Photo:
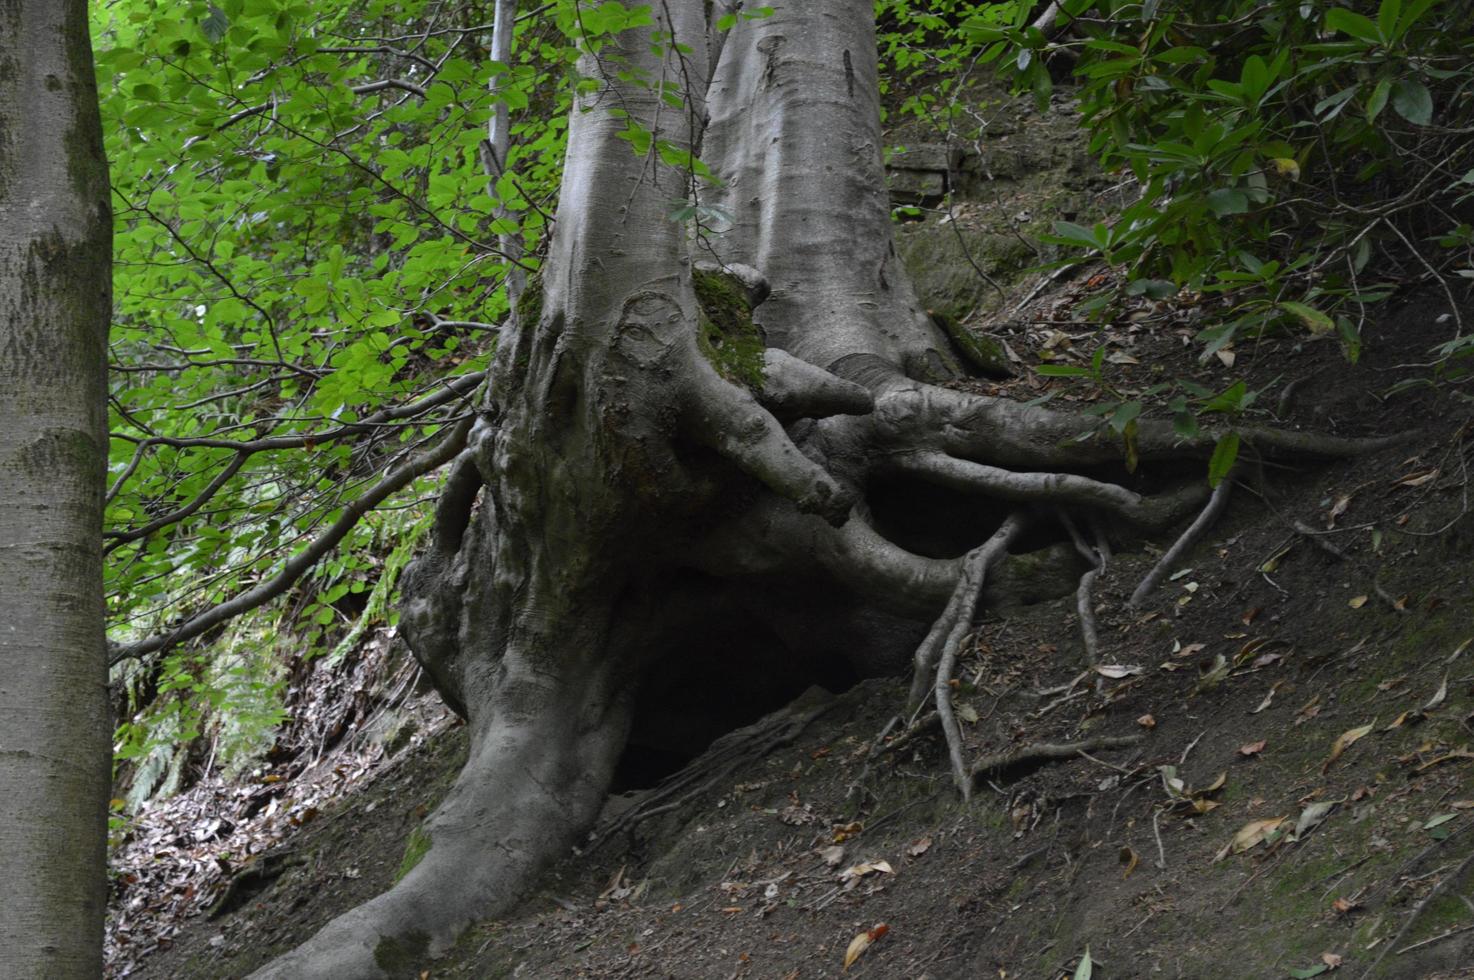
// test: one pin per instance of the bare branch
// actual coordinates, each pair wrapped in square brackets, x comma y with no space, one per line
[296,566]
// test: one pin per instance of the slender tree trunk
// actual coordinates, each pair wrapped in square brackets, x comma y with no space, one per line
[55,305]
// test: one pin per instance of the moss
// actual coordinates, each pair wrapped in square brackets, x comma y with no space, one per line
[398,957]
[414,851]
[530,303]
[983,353]
[726,333]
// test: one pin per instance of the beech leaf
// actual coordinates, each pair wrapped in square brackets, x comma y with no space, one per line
[862,942]
[1345,741]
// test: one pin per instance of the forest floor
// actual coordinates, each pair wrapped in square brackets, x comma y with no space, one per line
[1300,800]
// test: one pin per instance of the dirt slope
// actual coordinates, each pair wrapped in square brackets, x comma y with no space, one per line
[1240,677]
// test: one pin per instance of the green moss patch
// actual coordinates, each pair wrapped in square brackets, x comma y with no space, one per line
[726,333]
[414,851]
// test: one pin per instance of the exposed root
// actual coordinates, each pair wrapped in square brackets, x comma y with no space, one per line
[1042,752]
[1098,556]
[725,755]
[1182,545]
[936,658]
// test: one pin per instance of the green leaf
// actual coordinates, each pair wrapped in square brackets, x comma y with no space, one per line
[1225,454]
[215,24]
[1412,101]
[1063,371]
[1124,415]
[1314,319]
[1309,971]
[1228,200]
[1387,15]
[1076,234]
[1354,24]
[1378,101]
[1086,969]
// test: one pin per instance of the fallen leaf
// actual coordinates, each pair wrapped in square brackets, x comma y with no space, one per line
[832,855]
[1416,479]
[864,868]
[968,714]
[1358,602]
[1117,671]
[920,847]
[1337,510]
[1253,748]
[1439,820]
[1147,721]
[1215,676]
[862,942]
[1130,859]
[1268,697]
[1310,971]
[1343,906]
[1331,960]
[1313,816]
[1250,835]
[1438,697]
[1404,718]
[1086,967]
[1345,741]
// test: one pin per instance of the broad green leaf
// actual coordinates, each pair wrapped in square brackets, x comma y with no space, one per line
[1225,454]
[1378,101]
[1228,201]
[1412,101]
[1314,319]
[1354,24]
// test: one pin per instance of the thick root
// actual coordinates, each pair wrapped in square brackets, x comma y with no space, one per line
[537,776]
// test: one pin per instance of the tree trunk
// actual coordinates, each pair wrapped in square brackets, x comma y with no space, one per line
[55,306]
[682,454]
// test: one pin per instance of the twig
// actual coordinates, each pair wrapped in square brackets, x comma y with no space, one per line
[1042,752]
[1428,899]
[1189,538]
[1436,939]
[1318,539]
[1109,765]
[1190,746]
[1157,832]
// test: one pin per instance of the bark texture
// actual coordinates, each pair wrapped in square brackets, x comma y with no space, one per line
[685,449]
[55,305]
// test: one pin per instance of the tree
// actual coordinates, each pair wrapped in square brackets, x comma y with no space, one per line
[686,424]
[55,304]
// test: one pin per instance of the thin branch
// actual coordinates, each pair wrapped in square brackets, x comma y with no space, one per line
[297,565]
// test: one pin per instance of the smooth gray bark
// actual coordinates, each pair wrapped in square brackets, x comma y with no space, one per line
[55,305]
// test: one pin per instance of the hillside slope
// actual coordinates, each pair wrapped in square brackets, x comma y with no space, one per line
[1297,796]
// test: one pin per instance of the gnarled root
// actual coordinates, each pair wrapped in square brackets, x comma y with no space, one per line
[537,776]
